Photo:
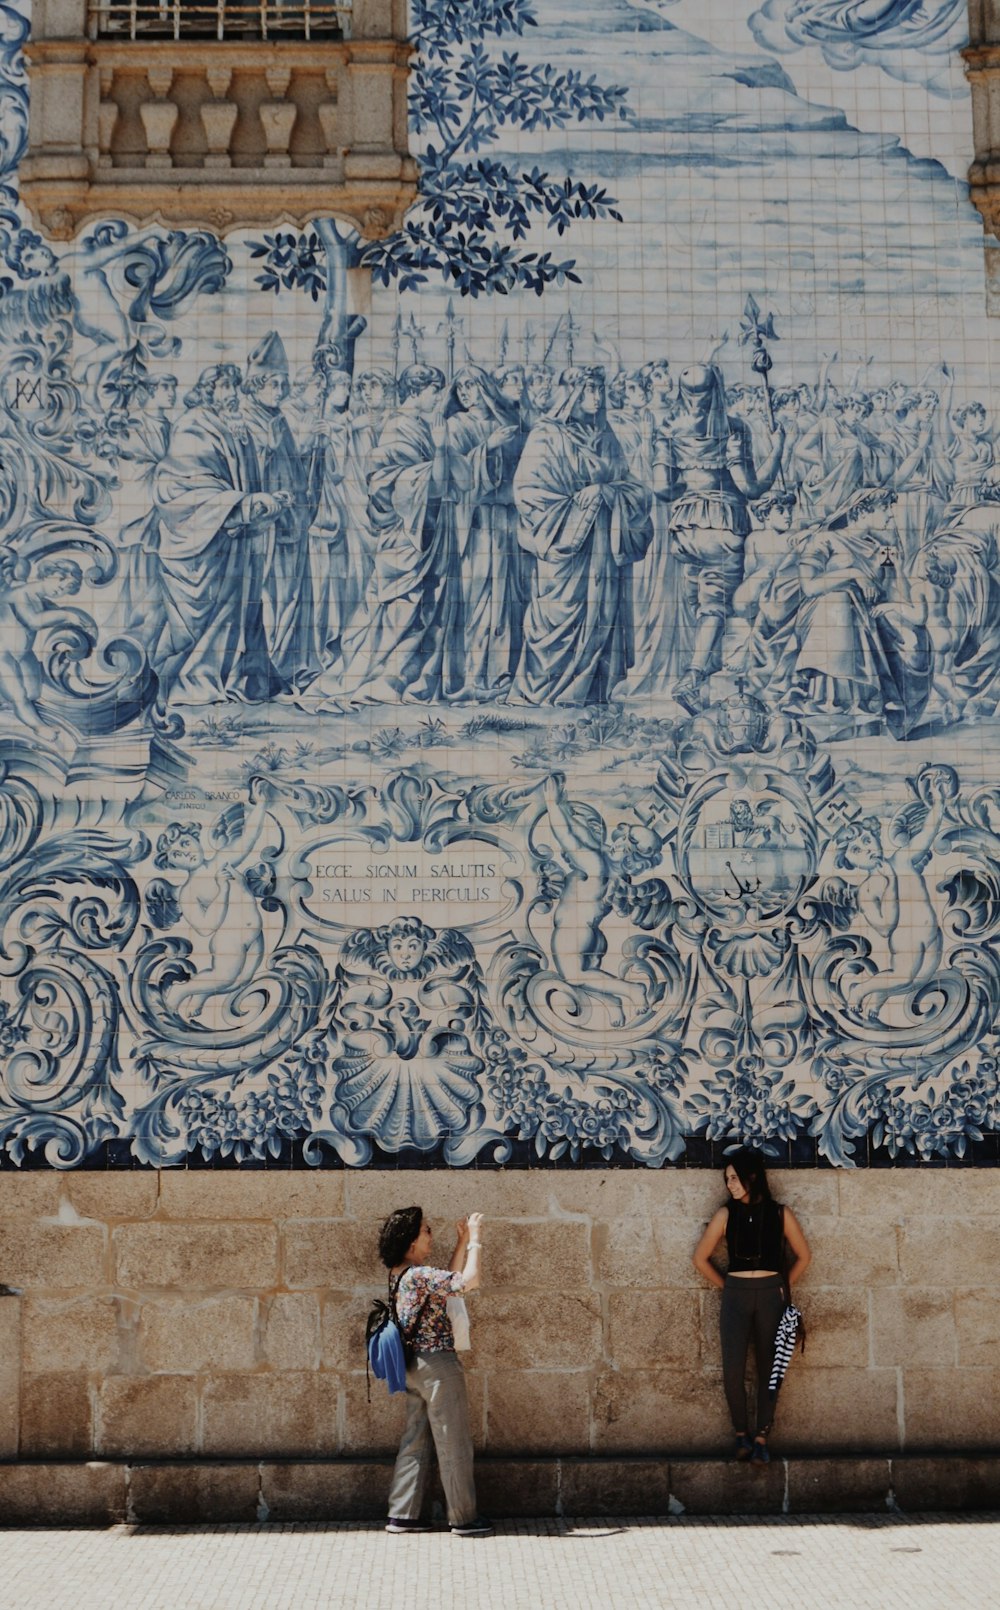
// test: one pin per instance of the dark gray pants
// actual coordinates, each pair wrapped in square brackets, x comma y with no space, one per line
[436,1407]
[751,1309]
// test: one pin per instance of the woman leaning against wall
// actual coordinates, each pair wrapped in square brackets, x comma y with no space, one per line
[759,1234]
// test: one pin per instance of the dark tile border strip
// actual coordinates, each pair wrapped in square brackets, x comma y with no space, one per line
[114,1156]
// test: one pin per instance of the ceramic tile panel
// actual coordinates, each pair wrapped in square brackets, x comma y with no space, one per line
[524,692]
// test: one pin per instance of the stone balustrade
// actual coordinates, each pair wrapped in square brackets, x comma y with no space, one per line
[217,133]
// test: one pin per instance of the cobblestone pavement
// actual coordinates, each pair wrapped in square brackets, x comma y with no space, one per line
[802,1563]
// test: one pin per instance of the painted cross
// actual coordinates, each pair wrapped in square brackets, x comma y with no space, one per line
[837,811]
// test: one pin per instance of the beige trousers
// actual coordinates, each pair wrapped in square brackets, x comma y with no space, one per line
[436,1408]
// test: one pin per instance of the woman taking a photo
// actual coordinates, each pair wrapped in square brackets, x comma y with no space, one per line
[437,1413]
[755,1289]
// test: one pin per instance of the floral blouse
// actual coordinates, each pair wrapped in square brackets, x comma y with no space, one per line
[425,1291]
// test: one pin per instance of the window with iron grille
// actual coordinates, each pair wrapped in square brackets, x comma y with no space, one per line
[219,19]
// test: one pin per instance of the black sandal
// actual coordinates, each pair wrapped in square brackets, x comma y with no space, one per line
[760,1454]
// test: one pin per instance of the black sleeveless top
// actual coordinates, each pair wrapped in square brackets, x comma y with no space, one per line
[755,1236]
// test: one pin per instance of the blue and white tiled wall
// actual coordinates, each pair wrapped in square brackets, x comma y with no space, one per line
[545,711]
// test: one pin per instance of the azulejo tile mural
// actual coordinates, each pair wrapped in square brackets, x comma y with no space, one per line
[525,692]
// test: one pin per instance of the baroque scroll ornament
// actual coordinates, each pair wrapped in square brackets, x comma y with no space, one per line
[725,960]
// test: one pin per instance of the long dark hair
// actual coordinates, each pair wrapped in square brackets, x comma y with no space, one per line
[398,1234]
[752,1174]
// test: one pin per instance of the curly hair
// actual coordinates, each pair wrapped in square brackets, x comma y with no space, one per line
[774,500]
[203,390]
[61,567]
[168,838]
[398,1234]
[961,415]
[18,245]
[418,375]
[846,835]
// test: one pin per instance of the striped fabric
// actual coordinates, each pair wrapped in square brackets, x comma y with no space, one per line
[789,1325]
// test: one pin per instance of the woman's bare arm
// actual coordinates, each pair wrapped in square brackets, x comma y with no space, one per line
[457,1263]
[714,1233]
[471,1269]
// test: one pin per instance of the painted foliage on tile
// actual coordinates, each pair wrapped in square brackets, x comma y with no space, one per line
[530,694]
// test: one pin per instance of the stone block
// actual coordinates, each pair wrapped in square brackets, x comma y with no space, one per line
[688,1197]
[977,1326]
[518,1487]
[961,1248]
[946,1483]
[867,1248]
[555,1257]
[252,1416]
[207,1256]
[614,1487]
[114,1194]
[372,1427]
[838,1486]
[56,1416]
[536,1411]
[722,1487]
[81,1334]
[147,1416]
[913,1325]
[342,1326]
[52,1494]
[559,1331]
[53,1257]
[448,1195]
[950,1408]
[809,1193]
[638,1251]
[272,1196]
[183,1495]
[291,1331]
[833,1409]
[321,1253]
[341,1490]
[836,1327]
[184,1338]
[646,1331]
[659,1412]
[902,1195]
[30,1196]
[10,1376]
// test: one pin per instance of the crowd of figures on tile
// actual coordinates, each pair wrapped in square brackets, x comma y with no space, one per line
[536,535]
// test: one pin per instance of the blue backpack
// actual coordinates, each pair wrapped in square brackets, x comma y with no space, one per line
[387,1345]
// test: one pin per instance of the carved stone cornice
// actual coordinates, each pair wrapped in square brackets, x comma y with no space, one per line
[219,134]
[982,69]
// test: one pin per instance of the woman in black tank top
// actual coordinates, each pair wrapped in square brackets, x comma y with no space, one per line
[754,1290]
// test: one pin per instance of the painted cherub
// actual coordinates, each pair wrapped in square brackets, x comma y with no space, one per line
[30,599]
[204,898]
[589,892]
[915,946]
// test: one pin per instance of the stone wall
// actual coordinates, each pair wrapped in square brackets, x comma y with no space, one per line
[219,1316]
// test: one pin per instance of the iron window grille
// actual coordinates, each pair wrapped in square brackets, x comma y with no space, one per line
[219,19]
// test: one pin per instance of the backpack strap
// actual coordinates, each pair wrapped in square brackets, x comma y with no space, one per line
[405,1334]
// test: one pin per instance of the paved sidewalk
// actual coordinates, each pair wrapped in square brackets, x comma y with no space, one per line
[887,1562]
